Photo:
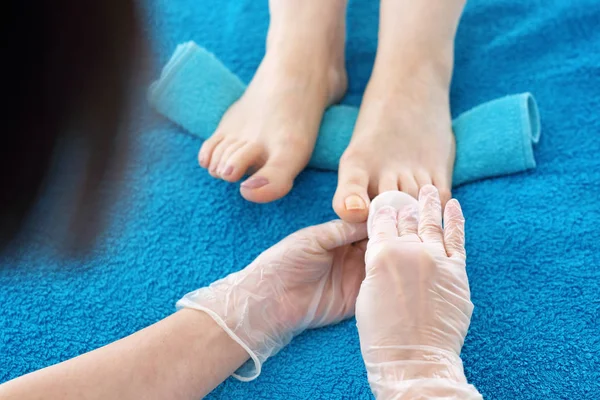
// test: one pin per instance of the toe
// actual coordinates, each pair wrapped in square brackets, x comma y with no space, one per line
[422,178]
[207,149]
[387,183]
[408,184]
[224,170]
[443,184]
[238,162]
[351,200]
[276,178]
[445,195]
[215,159]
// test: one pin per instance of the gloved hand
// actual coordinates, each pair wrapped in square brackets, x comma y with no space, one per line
[309,279]
[414,309]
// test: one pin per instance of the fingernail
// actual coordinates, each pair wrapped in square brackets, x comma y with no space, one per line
[255,182]
[428,189]
[228,170]
[354,202]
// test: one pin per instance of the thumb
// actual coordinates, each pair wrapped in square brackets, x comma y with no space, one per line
[333,234]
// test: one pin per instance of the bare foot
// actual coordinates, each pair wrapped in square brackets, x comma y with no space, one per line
[272,129]
[403,137]
[403,140]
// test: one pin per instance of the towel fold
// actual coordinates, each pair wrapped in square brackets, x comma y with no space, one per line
[493,139]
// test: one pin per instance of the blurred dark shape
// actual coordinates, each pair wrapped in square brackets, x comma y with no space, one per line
[66,66]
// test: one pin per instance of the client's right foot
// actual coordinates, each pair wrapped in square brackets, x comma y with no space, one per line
[273,127]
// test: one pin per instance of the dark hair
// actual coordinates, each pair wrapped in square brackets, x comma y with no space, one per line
[66,67]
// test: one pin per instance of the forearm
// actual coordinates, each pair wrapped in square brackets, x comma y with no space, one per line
[184,356]
[417,34]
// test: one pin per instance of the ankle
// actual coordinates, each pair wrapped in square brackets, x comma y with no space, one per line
[337,82]
[416,65]
[301,59]
[419,83]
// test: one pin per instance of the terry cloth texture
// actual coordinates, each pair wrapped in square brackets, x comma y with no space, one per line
[532,238]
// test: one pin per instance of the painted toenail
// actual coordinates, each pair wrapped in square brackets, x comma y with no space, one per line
[255,182]
[228,170]
[354,202]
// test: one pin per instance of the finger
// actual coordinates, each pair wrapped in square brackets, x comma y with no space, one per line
[395,199]
[408,220]
[384,223]
[454,230]
[333,234]
[362,245]
[430,215]
[346,280]
[356,270]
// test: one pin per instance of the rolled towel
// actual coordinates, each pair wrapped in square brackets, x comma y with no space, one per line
[493,139]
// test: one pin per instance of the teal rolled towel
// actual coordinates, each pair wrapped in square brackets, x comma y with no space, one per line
[493,139]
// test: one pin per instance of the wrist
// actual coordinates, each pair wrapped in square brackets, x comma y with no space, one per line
[254,320]
[406,363]
[206,337]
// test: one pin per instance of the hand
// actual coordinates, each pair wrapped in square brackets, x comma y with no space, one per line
[309,279]
[414,309]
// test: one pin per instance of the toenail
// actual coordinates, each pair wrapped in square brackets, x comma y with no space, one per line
[255,182]
[202,159]
[354,202]
[228,170]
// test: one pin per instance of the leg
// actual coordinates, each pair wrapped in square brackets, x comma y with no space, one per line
[274,126]
[403,136]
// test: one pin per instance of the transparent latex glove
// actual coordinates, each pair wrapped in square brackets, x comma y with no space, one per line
[309,279]
[414,309]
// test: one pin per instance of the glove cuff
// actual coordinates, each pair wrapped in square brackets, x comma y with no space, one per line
[402,367]
[255,327]
[251,368]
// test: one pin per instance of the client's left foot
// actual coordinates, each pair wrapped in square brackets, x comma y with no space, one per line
[403,140]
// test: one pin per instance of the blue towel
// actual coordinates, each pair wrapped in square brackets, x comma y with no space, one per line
[532,238]
[195,89]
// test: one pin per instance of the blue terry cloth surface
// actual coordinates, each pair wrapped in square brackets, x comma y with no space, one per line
[532,238]
[496,138]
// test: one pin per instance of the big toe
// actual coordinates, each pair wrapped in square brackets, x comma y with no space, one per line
[274,180]
[351,199]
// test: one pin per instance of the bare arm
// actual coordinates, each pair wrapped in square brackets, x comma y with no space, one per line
[184,356]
